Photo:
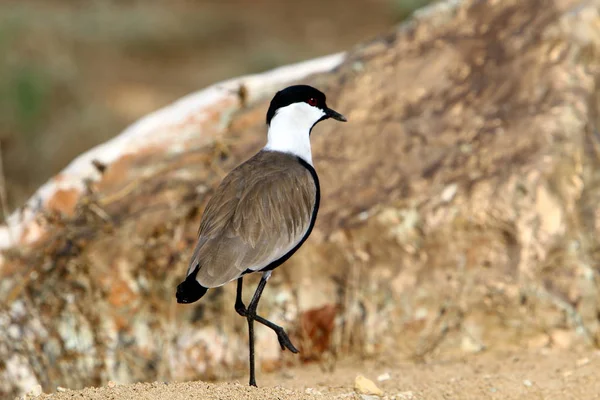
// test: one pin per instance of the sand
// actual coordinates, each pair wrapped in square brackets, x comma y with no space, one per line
[540,374]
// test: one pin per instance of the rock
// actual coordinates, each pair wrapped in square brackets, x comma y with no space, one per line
[408,395]
[111,384]
[449,193]
[561,338]
[441,104]
[351,395]
[527,383]
[366,386]
[313,392]
[539,341]
[582,361]
[470,345]
[369,397]
[36,391]
[384,377]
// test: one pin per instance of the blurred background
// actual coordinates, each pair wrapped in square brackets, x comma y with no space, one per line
[75,73]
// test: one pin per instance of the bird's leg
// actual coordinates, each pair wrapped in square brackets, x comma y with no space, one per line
[240,307]
[250,314]
[252,381]
[282,337]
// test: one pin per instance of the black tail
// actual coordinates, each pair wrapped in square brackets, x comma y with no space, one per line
[190,290]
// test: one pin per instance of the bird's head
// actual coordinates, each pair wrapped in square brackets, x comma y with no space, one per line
[302,105]
[293,112]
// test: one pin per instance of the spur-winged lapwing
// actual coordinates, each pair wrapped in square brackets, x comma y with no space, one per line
[263,210]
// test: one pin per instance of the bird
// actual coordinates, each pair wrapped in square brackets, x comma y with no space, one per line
[262,211]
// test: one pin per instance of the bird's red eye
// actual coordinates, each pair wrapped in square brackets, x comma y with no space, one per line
[312,101]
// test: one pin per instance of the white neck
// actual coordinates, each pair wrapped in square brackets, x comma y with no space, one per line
[289,131]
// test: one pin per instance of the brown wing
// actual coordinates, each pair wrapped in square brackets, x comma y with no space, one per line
[260,212]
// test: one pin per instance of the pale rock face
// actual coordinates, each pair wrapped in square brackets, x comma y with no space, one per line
[461,198]
[17,374]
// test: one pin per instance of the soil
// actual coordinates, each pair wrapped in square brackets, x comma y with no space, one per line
[540,374]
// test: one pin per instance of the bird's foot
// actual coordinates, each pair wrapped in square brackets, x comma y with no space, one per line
[284,341]
[282,337]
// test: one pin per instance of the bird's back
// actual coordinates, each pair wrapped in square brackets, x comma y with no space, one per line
[261,211]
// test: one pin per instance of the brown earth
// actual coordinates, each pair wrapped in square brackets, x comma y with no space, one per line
[537,374]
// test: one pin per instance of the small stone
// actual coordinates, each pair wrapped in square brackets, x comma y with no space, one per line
[369,397]
[14,332]
[561,338]
[527,383]
[111,384]
[357,66]
[582,361]
[538,342]
[408,395]
[287,375]
[363,385]
[345,395]
[36,391]
[470,345]
[449,192]
[60,389]
[312,391]
[384,377]
[566,374]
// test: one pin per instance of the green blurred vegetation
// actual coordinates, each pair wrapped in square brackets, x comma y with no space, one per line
[75,73]
[404,8]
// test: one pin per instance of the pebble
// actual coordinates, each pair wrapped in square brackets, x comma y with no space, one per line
[369,397]
[527,383]
[312,391]
[60,389]
[384,377]
[287,375]
[582,361]
[111,384]
[357,66]
[408,395]
[538,342]
[449,192]
[469,345]
[345,395]
[366,386]
[14,332]
[561,338]
[36,391]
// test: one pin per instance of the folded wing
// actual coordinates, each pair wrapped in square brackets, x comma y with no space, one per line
[259,213]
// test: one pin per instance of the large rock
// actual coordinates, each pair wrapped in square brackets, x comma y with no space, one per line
[459,213]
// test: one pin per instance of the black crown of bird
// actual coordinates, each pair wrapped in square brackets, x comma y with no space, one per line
[263,210]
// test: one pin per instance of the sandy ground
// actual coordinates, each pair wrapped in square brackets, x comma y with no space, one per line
[540,374]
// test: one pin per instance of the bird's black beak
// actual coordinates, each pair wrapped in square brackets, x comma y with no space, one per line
[335,115]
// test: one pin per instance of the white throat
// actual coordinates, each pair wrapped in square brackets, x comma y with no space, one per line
[289,131]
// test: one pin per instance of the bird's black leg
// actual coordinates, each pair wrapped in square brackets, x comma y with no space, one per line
[240,307]
[250,314]
[284,340]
